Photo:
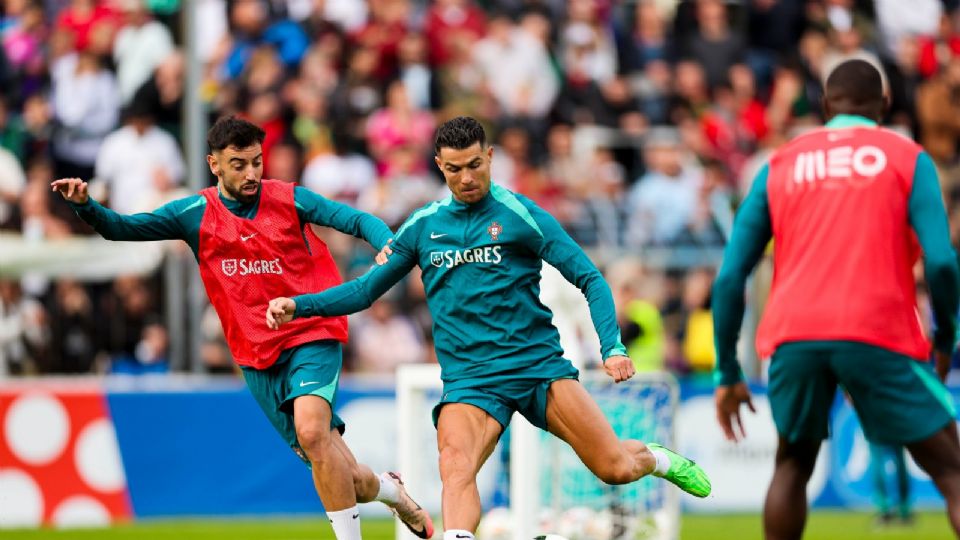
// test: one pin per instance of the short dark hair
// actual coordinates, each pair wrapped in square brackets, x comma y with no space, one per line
[855,87]
[233,131]
[459,133]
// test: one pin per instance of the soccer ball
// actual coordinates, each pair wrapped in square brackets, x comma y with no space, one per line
[496,525]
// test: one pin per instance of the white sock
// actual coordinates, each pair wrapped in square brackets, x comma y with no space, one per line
[457,534]
[389,493]
[346,523]
[663,462]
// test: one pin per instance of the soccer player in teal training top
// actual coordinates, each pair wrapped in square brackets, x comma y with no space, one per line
[253,241]
[481,251]
[849,208]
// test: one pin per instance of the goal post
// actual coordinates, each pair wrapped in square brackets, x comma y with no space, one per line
[550,490]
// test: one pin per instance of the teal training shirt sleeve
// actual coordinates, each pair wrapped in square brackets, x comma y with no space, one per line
[360,293]
[161,224]
[317,209]
[752,231]
[556,248]
[929,220]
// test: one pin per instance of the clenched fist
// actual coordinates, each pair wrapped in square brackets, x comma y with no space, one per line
[280,311]
[620,368]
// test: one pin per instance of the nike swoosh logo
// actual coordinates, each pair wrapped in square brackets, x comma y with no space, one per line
[434,236]
[245,238]
[306,383]
[462,536]
[355,516]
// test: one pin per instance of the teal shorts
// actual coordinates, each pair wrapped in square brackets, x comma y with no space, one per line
[898,399]
[503,394]
[309,369]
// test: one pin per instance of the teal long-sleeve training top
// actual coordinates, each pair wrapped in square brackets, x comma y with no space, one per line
[481,267]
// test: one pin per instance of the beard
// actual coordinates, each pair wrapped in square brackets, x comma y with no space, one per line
[238,195]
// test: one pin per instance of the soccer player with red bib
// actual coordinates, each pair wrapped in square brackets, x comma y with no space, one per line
[850,208]
[253,241]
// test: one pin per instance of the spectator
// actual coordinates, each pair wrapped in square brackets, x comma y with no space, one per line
[714,45]
[938,109]
[254,28]
[38,222]
[936,50]
[382,35]
[162,94]
[90,23]
[12,184]
[450,25]
[898,19]
[357,95]
[649,39]
[698,331]
[141,45]
[774,28]
[85,107]
[662,203]
[419,80]
[399,125]
[338,174]
[23,42]
[516,70]
[286,161]
[13,134]
[139,163]
[384,339]
[73,328]
[737,122]
[23,331]
[131,334]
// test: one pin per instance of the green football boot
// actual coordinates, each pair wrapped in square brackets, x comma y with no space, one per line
[684,473]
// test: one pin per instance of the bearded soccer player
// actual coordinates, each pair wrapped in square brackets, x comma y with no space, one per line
[850,207]
[253,241]
[481,251]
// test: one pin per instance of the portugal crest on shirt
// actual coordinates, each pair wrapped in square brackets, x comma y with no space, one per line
[495,229]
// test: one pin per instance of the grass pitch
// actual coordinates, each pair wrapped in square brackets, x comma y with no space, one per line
[822,526]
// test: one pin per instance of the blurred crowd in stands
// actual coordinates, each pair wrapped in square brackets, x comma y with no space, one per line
[638,124]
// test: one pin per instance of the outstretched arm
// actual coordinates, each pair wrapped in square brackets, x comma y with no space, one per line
[344,299]
[556,247]
[161,224]
[929,220]
[316,209]
[752,230]
[751,233]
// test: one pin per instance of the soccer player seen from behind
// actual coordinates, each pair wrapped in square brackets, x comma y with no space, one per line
[253,240]
[481,251]
[850,208]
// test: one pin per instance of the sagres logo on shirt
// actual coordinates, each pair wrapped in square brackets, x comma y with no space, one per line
[456,257]
[251,266]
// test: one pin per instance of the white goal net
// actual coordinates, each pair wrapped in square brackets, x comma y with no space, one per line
[546,487]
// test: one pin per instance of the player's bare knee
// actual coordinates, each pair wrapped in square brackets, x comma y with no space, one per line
[455,467]
[314,440]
